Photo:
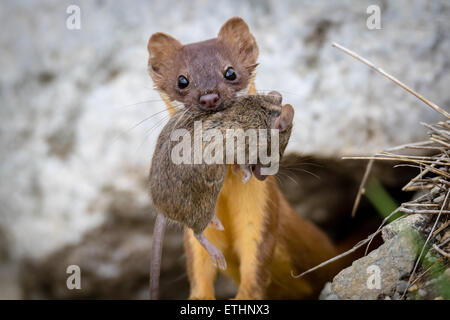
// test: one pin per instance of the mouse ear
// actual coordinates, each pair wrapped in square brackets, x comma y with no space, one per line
[283,122]
[161,48]
[236,34]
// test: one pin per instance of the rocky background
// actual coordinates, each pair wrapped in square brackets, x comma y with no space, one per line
[80,118]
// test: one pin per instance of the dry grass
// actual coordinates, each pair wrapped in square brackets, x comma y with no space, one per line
[433,180]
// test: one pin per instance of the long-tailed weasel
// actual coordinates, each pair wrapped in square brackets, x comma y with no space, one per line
[263,240]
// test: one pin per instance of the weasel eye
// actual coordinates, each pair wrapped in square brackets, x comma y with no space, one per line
[182,82]
[230,74]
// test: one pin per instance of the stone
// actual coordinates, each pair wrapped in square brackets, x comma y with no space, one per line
[391,261]
[402,286]
[415,221]
[327,294]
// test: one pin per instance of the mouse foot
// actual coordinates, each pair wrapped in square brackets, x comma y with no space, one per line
[216,255]
[276,96]
[216,223]
[247,174]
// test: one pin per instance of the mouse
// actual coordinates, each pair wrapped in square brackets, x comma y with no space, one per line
[187,193]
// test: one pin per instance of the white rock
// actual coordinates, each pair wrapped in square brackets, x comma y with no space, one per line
[70,99]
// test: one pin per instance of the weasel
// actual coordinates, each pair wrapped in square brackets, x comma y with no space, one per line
[263,240]
[187,193]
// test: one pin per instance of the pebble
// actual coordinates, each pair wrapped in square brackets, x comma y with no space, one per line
[402,286]
[413,288]
[422,292]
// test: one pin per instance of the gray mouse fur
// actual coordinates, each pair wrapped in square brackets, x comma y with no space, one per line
[187,193]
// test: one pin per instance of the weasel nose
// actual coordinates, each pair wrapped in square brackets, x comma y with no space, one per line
[208,101]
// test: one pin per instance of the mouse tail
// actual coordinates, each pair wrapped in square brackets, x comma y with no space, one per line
[155,264]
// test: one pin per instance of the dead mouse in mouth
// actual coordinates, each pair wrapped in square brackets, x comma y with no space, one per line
[187,193]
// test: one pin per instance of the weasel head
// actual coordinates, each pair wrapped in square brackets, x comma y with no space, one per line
[203,75]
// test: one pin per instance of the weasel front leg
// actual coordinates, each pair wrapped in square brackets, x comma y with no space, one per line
[253,274]
[255,246]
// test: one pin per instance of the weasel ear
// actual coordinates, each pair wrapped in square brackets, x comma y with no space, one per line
[161,48]
[236,34]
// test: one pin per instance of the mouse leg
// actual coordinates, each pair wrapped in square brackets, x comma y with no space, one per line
[246,172]
[216,255]
[235,169]
[200,270]
[216,223]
